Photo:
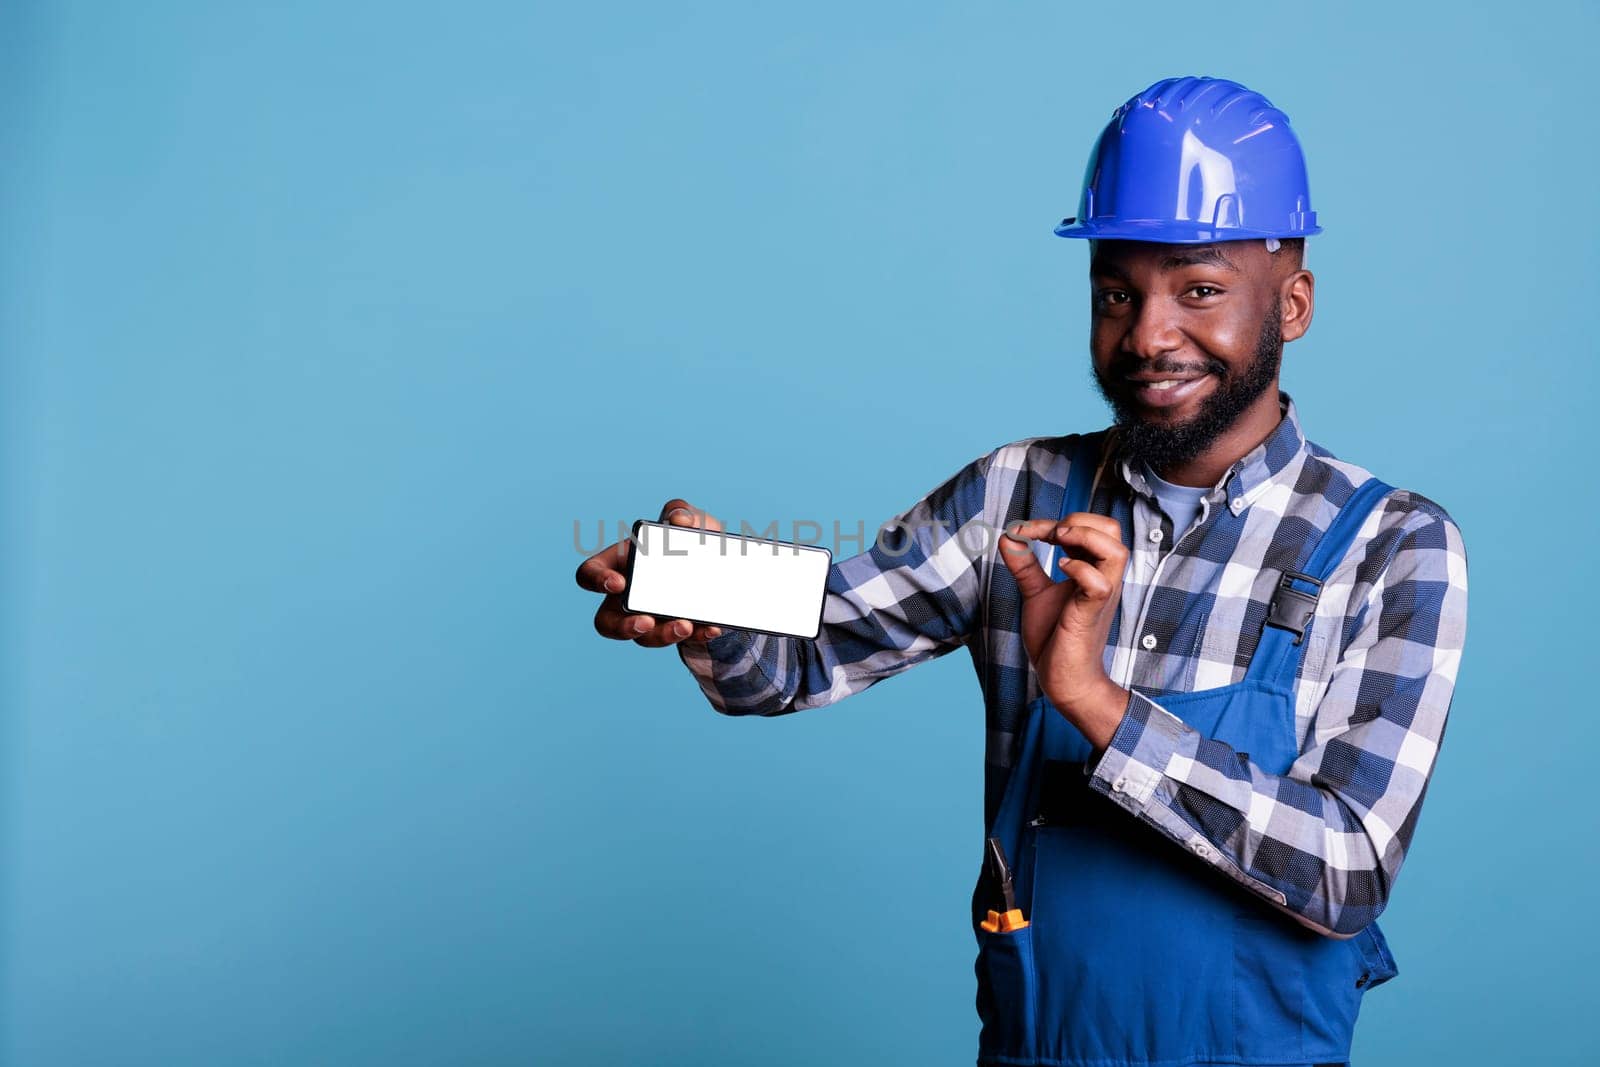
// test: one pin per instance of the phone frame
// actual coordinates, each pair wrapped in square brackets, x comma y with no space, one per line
[727,626]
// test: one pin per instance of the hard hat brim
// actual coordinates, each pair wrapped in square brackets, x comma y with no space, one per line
[1167,231]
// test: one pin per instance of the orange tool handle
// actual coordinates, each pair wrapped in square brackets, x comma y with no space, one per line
[1004,922]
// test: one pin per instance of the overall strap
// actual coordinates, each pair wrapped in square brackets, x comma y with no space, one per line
[1080,478]
[1085,460]
[1078,493]
[1294,603]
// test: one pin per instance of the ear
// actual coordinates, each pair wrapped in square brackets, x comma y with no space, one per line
[1297,297]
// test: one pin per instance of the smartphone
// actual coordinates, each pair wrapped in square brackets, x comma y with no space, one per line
[727,580]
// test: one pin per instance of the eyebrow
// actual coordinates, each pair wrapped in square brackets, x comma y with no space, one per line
[1208,255]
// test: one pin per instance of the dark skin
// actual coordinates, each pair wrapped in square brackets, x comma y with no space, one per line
[1179,310]
[604,573]
[1158,309]
[1184,309]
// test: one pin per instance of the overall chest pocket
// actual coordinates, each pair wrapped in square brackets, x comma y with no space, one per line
[1255,719]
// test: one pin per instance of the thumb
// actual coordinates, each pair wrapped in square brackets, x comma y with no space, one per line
[679,512]
[1017,553]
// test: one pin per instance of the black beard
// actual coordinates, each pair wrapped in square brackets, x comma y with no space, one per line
[1166,447]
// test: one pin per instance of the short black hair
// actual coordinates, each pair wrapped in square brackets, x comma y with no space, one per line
[1296,245]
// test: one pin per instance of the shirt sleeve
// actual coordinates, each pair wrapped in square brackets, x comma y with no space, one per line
[1326,840]
[912,595]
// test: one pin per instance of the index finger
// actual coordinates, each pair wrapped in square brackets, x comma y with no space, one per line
[1016,534]
[1104,523]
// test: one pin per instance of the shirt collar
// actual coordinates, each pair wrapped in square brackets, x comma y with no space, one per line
[1251,472]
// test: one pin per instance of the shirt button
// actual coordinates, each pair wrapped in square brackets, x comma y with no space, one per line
[1119,785]
[1236,503]
[1201,849]
[1155,535]
[1148,641]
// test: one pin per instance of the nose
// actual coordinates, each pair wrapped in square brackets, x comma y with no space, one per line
[1154,331]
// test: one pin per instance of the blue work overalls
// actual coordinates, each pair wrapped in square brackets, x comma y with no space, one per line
[1135,952]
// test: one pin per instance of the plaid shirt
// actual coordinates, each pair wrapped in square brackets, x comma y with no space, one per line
[1324,841]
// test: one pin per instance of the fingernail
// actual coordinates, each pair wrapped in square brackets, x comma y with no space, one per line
[682,627]
[713,631]
[614,584]
[640,626]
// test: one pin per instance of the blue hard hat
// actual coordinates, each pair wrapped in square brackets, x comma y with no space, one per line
[1191,161]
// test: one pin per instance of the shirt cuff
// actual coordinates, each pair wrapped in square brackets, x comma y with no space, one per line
[729,646]
[1135,762]
[705,658]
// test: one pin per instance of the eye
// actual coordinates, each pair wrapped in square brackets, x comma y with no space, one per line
[1110,298]
[1205,291]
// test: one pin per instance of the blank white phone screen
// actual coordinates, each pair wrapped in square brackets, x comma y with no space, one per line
[731,581]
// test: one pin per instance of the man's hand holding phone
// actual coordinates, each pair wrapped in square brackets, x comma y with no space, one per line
[606,572]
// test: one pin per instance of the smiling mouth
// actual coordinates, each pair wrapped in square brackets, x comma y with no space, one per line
[1164,392]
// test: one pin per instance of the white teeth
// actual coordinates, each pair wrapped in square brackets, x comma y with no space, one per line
[1167,384]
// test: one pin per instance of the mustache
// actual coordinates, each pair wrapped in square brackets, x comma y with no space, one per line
[1123,368]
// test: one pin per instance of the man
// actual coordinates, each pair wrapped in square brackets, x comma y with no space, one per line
[1215,685]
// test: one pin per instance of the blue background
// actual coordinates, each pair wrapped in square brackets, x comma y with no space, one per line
[323,323]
